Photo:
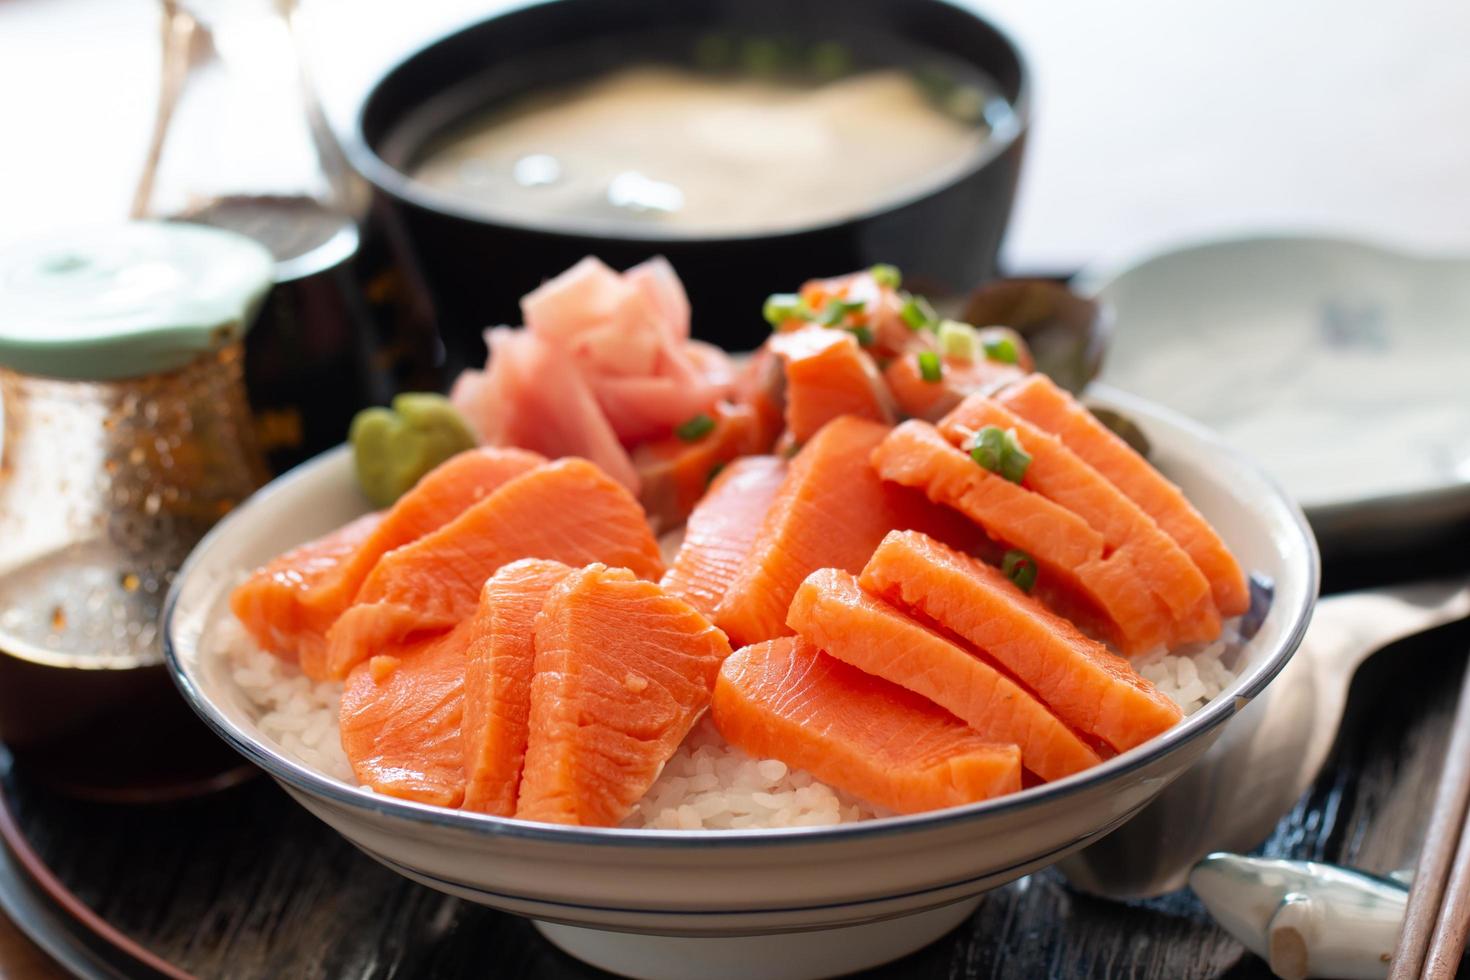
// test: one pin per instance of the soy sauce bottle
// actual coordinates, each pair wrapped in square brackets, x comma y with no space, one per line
[240,143]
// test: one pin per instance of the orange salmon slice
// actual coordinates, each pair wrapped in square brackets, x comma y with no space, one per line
[567,511]
[1074,572]
[785,699]
[930,400]
[623,670]
[828,375]
[439,497]
[830,512]
[499,663]
[834,614]
[270,603]
[400,720]
[1130,536]
[675,473]
[1090,688]
[1046,406]
[722,530]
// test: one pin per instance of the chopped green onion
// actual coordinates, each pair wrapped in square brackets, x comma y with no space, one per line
[886,275]
[958,341]
[837,310]
[918,314]
[1000,452]
[1002,349]
[1020,568]
[930,368]
[696,428]
[791,449]
[863,334]
[781,307]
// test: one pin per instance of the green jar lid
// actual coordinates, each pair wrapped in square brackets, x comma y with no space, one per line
[127,300]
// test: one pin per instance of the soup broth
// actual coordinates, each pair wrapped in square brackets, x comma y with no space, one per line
[676,151]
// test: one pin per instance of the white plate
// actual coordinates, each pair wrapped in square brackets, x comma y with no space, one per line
[1343,368]
[918,874]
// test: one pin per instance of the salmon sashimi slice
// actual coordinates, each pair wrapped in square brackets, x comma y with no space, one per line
[623,671]
[568,511]
[834,614]
[1087,686]
[401,716]
[1046,406]
[439,497]
[931,400]
[1073,572]
[722,530]
[1129,535]
[827,375]
[785,699]
[674,473]
[830,512]
[271,604]
[499,662]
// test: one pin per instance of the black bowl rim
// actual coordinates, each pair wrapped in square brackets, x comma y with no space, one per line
[402,187]
[1217,712]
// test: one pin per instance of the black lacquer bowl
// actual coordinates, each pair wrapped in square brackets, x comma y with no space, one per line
[476,267]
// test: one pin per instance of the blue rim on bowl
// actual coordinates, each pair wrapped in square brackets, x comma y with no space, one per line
[1203,721]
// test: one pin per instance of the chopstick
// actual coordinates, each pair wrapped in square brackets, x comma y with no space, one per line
[1447,946]
[1446,845]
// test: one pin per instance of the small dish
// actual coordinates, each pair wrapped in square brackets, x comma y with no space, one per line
[1339,365]
[803,902]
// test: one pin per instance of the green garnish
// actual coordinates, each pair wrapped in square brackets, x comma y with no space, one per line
[1020,568]
[714,471]
[1000,452]
[762,55]
[930,368]
[696,428]
[781,307]
[837,310]
[830,59]
[1002,349]
[958,341]
[393,447]
[863,334]
[886,275]
[918,314]
[792,449]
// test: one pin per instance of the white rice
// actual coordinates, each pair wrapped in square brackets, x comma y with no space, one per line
[707,784]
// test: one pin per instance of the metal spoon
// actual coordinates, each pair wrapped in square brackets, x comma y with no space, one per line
[1269,754]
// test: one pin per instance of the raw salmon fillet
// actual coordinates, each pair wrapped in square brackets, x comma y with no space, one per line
[623,671]
[830,512]
[1046,406]
[439,497]
[499,661]
[722,530]
[832,613]
[401,716]
[785,699]
[1074,572]
[930,400]
[568,510]
[1088,687]
[827,375]
[270,603]
[1129,535]
[674,474]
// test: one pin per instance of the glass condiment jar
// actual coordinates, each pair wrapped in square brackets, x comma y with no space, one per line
[125,434]
[240,143]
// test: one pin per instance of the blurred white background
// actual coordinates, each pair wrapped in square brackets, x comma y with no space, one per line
[1154,120]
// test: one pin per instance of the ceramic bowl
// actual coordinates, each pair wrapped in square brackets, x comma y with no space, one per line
[944,235]
[820,901]
[1339,364]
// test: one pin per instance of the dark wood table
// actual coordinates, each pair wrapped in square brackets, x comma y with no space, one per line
[247,884]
